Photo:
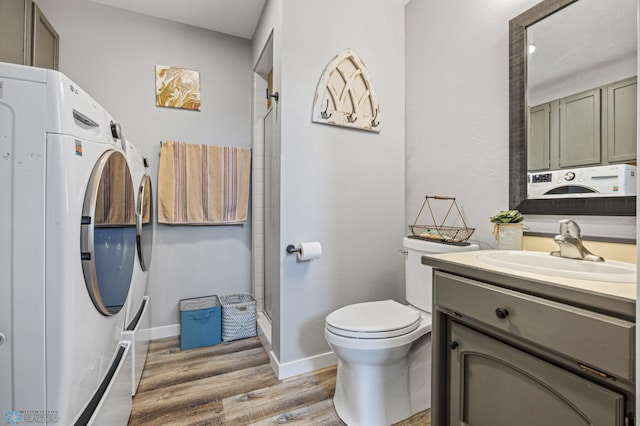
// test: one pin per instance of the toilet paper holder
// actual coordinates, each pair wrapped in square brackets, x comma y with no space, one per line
[306,251]
[293,249]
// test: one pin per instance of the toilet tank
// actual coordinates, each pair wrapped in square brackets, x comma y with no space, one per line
[418,279]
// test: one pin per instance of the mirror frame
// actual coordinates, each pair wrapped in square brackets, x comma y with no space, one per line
[596,206]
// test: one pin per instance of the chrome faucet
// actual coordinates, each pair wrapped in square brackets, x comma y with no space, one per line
[570,242]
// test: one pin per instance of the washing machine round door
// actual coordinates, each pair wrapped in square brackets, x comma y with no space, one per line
[144,223]
[108,233]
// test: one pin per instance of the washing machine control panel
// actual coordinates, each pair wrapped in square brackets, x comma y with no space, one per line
[116,130]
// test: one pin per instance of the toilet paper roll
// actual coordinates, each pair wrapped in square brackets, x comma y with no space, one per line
[310,251]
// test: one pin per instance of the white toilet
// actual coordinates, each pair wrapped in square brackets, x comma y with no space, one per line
[384,348]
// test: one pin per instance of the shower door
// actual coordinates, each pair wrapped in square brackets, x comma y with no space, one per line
[270,251]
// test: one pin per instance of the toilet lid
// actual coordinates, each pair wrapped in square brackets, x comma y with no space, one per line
[373,320]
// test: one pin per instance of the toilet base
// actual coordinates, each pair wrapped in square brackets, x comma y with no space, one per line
[385,388]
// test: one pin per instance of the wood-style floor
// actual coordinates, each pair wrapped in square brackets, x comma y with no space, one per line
[232,384]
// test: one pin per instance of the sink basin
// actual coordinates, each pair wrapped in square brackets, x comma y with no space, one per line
[545,264]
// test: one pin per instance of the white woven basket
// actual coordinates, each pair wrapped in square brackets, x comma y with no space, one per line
[238,316]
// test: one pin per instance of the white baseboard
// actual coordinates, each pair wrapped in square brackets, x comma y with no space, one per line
[301,366]
[293,368]
[162,332]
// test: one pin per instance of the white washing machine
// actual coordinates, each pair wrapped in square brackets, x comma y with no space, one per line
[66,254]
[137,319]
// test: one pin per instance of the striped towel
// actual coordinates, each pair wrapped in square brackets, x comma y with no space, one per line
[203,184]
[115,202]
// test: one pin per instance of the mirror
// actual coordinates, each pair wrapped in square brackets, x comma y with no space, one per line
[534,80]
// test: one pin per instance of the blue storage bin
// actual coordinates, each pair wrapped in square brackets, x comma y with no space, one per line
[200,322]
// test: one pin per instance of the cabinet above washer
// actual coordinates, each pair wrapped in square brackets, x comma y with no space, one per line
[593,127]
[26,36]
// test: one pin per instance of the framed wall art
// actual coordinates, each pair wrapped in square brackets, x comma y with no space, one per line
[177,88]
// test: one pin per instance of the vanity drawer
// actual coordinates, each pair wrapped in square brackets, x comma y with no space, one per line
[598,341]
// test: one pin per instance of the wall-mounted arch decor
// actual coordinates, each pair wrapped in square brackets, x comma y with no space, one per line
[345,95]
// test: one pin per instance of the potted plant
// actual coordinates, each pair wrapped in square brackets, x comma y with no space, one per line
[507,229]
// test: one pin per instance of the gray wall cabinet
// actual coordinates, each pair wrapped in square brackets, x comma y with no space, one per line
[538,143]
[45,41]
[26,36]
[621,120]
[590,128]
[15,31]
[580,129]
[502,356]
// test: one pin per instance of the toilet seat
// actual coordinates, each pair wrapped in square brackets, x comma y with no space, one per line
[373,320]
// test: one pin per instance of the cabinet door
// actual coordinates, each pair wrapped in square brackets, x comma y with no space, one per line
[44,53]
[495,384]
[580,142]
[538,141]
[621,120]
[15,31]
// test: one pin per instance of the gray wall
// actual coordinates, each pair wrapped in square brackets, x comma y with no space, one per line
[112,55]
[342,187]
[457,122]
[457,125]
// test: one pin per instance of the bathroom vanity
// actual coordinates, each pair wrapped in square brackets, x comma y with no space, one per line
[517,347]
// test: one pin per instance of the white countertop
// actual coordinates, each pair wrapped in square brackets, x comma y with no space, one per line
[624,291]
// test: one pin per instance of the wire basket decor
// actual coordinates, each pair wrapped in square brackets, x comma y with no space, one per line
[439,231]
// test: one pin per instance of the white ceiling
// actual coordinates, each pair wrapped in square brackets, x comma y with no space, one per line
[587,35]
[555,37]
[235,17]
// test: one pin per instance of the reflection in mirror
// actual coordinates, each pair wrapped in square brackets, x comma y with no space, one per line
[573,91]
[564,57]
[581,96]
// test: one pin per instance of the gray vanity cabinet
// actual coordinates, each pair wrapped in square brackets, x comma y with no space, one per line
[495,384]
[504,356]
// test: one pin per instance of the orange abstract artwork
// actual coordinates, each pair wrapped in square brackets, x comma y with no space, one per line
[177,88]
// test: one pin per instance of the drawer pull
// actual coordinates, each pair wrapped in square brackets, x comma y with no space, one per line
[502,313]
[596,372]
[450,312]
[453,345]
